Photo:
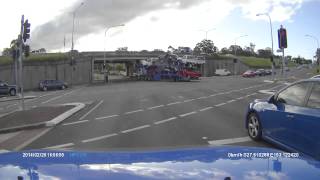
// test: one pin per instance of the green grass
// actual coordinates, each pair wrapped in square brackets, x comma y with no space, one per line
[314,71]
[37,57]
[255,62]
[5,60]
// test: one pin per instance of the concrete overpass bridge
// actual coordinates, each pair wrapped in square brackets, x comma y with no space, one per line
[128,58]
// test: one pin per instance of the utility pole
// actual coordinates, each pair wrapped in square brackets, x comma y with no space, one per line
[20,40]
[72,42]
[271,32]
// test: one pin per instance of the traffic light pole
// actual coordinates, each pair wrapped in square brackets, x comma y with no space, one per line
[283,64]
[20,64]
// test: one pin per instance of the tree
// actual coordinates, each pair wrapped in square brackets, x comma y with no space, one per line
[232,49]
[205,46]
[252,47]
[6,52]
[9,51]
[264,53]
[225,51]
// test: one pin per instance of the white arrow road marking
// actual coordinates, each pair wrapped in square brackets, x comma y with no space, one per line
[95,107]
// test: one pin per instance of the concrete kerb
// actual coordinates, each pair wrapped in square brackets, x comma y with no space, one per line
[16,98]
[53,122]
[65,115]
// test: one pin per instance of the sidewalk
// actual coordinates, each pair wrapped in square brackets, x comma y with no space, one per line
[37,117]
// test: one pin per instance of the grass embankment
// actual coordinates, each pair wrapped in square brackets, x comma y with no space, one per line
[37,57]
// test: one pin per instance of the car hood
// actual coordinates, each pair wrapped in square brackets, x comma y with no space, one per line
[200,163]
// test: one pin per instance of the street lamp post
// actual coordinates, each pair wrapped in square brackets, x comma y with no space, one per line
[317,55]
[207,31]
[235,52]
[72,42]
[270,21]
[235,44]
[104,54]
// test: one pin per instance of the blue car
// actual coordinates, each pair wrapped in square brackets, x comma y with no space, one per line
[289,119]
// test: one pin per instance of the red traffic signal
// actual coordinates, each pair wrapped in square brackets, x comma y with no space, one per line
[282,38]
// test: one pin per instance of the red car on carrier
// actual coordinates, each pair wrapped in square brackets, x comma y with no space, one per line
[249,73]
[188,75]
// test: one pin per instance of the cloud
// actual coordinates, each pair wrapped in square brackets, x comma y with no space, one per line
[279,10]
[96,15]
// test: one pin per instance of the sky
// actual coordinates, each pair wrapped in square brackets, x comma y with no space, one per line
[154,24]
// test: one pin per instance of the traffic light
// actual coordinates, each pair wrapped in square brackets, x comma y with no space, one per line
[26,30]
[27,51]
[282,38]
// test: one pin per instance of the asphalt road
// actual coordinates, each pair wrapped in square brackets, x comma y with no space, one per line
[143,115]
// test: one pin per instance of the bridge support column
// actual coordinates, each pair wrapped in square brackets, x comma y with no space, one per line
[129,68]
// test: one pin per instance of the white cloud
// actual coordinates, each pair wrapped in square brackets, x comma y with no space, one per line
[279,10]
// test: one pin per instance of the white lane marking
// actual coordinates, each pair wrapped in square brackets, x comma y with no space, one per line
[178,102]
[270,92]
[203,97]
[187,114]
[221,104]
[251,94]
[239,98]
[231,101]
[57,97]
[204,138]
[205,109]
[135,129]
[106,117]
[76,122]
[268,81]
[229,141]
[95,107]
[166,120]
[60,146]
[188,100]
[99,138]
[131,112]
[214,95]
[155,107]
